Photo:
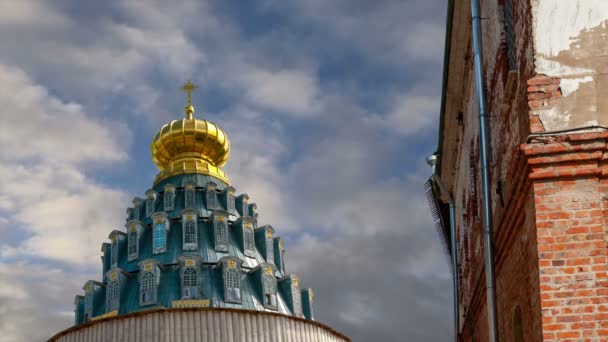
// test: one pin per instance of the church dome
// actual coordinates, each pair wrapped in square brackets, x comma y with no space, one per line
[192,246]
[190,146]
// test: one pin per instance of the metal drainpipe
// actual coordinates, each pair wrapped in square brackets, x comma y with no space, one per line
[432,160]
[485,174]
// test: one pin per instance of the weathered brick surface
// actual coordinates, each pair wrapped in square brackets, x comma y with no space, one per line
[570,186]
[513,206]
[549,196]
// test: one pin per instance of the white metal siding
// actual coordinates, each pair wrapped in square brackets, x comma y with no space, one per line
[202,325]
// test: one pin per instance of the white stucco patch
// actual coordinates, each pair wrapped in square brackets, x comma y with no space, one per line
[554,119]
[556,69]
[570,85]
[556,23]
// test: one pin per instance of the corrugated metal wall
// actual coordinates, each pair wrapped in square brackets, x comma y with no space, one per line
[201,325]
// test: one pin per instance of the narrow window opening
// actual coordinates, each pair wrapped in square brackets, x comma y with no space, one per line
[270,291]
[160,237]
[150,205]
[190,199]
[249,239]
[190,289]
[169,200]
[113,296]
[190,238]
[221,236]
[233,285]
[133,244]
[148,288]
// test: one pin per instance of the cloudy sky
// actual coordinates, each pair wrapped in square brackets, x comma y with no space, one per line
[331,107]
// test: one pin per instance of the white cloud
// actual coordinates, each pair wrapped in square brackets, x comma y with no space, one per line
[45,194]
[23,12]
[34,301]
[409,114]
[292,92]
[257,147]
[36,125]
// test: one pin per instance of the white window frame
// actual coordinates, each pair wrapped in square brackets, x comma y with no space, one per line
[232,284]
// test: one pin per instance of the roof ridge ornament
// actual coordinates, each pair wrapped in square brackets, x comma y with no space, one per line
[189,87]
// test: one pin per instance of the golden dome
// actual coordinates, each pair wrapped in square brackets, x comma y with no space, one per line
[190,145]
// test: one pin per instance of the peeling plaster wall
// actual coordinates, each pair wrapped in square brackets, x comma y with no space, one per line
[571,43]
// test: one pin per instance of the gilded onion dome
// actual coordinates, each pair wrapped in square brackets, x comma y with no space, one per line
[190,145]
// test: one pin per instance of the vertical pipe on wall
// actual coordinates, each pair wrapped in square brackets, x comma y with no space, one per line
[485,173]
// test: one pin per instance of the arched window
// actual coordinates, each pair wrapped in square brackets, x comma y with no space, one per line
[113,296]
[211,199]
[232,283]
[190,283]
[133,244]
[148,289]
[269,284]
[150,202]
[221,234]
[169,199]
[248,239]
[190,236]
[160,237]
[518,325]
[190,198]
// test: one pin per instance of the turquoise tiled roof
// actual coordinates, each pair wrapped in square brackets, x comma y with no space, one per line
[211,278]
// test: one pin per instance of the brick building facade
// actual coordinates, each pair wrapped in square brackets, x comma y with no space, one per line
[547,97]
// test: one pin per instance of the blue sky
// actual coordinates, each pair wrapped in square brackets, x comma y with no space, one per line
[331,107]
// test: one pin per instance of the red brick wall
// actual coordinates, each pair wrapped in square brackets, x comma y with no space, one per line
[516,266]
[550,233]
[570,190]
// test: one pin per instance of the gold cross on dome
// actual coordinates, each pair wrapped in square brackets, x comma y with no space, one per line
[188,87]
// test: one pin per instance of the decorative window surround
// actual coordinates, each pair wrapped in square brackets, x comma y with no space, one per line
[232,275]
[189,196]
[264,242]
[243,228]
[211,196]
[290,289]
[117,238]
[264,276]
[269,286]
[115,280]
[149,279]
[189,229]
[220,230]
[228,199]
[135,230]
[151,197]
[90,288]
[190,276]
[242,205]
[169,198]
[137,205]
[160,227]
